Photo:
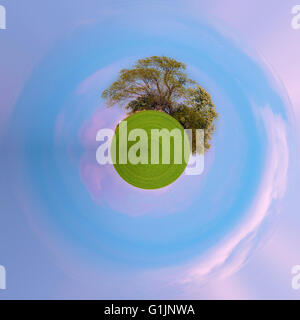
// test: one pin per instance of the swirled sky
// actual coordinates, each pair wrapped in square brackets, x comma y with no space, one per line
[73,229]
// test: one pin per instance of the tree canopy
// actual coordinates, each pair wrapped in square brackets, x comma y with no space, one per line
[161,83]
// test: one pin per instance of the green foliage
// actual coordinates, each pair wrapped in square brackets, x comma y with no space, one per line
[161,83]
[146,102]
[198,112]
[162,78]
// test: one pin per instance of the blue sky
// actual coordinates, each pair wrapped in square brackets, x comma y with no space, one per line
[73,229]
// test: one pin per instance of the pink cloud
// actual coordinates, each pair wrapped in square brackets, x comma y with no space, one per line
[234,250]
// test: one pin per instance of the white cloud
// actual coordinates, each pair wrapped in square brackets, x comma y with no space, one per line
[229,256]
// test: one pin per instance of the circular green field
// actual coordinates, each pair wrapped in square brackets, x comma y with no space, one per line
[144,161]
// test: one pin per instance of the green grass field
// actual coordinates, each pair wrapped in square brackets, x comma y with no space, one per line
[150,176]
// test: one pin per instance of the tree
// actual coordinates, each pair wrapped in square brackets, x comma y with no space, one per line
[161,83]
[198,112]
